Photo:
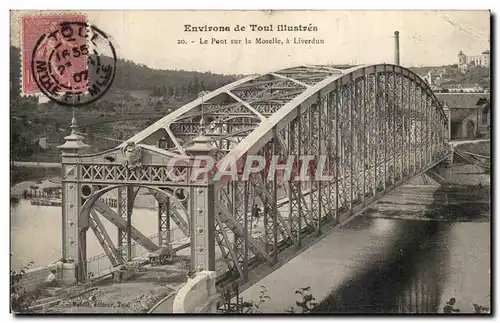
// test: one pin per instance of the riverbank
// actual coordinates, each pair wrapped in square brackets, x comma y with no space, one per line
[18,188]
[143,200]
[19,174]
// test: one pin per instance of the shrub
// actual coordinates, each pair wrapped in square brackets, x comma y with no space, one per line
[308,302]
[20,301]
[242,306]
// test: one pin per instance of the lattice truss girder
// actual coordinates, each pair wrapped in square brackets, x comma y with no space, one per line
[121,174]
[104,239]
[125,199]
[235,110]
[377,127]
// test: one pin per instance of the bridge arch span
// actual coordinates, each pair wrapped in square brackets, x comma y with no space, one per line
[126,197]
[378,126]
[282,117]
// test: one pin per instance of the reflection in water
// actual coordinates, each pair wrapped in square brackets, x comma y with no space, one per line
[409,280]
[381,227]
[412,278]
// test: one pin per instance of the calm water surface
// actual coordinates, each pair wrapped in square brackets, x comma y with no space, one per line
[383,265]
[370,265]
[36,232]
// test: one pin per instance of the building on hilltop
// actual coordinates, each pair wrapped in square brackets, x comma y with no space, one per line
[478,60]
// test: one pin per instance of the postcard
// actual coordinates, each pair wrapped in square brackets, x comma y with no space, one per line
[255,162]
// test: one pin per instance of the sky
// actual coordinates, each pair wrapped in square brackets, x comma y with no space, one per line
[427,38]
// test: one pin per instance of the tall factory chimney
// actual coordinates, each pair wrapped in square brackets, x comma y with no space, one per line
[396,47]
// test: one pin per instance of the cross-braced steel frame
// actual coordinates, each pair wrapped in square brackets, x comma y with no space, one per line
[378,126]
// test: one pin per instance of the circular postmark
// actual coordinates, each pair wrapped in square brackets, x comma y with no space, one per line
[75,64]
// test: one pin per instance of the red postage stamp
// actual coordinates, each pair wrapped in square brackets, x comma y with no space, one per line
[70,61]
[68,56]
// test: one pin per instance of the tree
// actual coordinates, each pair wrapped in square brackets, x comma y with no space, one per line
[306,304]
[190,88]
[132,76]
[170,91]
[15,77]
[20,145]
[178,91]
[20,301]
[156,92]
[478,309]
[482,101]
[242,306]
[197,85]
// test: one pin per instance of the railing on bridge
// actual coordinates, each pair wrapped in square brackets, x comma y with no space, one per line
[100,265]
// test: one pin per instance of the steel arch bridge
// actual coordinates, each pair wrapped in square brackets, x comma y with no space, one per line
[378,125]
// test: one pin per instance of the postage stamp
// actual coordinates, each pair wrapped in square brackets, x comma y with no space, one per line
[33,26]
[71,62]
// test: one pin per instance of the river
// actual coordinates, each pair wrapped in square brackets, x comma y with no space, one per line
[351,267]
[385,265]
[36,232]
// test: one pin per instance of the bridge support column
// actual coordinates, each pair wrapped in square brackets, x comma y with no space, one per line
[74,233]
[126,197]
[81,270]
[164,238]
[450,156]
[450,163]
[201,211]
[74,224]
